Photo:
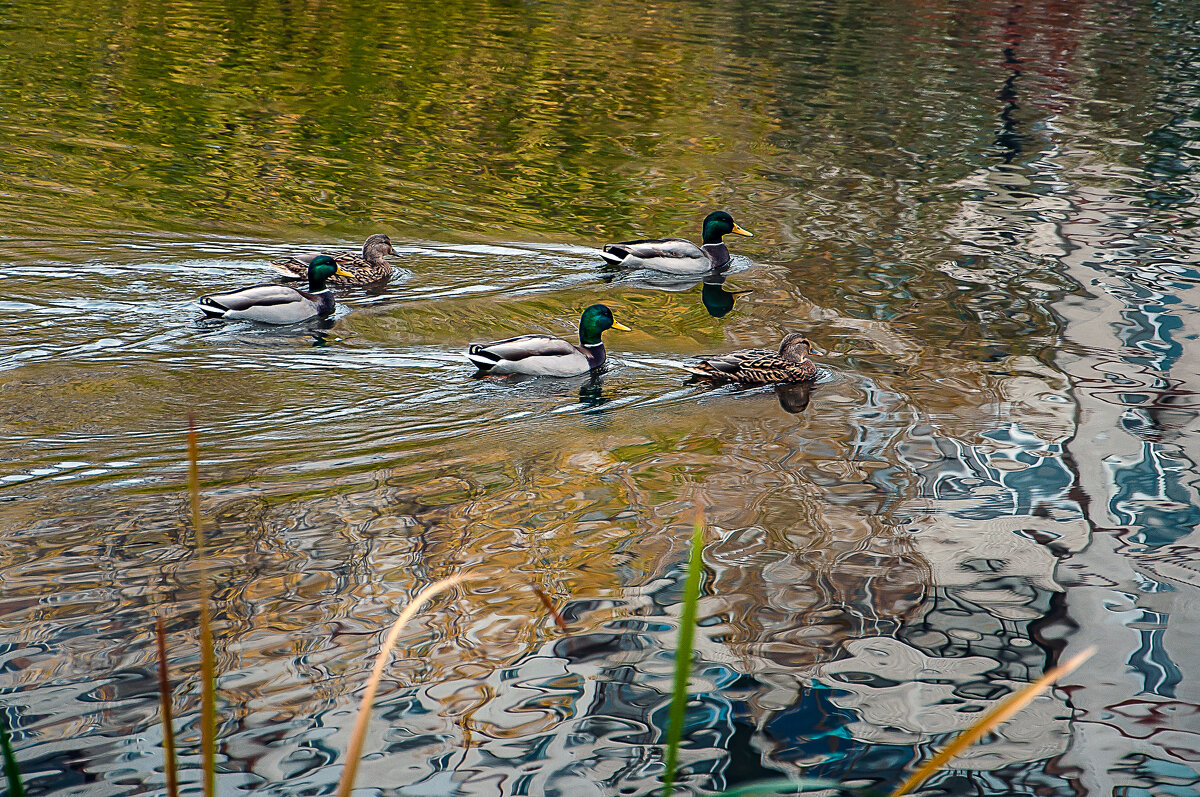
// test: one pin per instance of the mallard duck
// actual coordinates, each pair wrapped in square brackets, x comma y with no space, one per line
[545,355]
[279,304]
[761,366]
[675,255]
[368,268]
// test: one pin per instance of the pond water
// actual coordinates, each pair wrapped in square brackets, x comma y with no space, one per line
[982,212]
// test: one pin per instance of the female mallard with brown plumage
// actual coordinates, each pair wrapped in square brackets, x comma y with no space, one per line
[369,268]
[761,366]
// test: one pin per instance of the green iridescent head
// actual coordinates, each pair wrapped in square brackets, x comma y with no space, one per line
[594,321]
[322,268]
[719,224]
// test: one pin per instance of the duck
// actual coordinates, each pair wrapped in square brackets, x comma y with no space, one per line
[369,268]
[677,255]
[761,366]
[546,355]
[279,304]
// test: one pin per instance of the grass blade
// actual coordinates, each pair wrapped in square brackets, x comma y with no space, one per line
[208,670]
[545,599]
[12,772]
[354,753]
[683,656]
[1002,712]
[164,696]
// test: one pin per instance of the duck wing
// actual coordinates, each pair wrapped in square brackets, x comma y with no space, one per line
[539,355]
[662,254]
[753,366]
[271,304]
[296,266]
[736,361]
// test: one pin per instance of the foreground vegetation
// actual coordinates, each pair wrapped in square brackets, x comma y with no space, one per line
[684,649]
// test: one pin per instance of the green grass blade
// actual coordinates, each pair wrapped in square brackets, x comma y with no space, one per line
[170,766]
[11,771]
[683,656]
[208,669]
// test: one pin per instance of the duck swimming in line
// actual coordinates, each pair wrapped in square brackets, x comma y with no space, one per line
[546,355]
[761,366]
[279,304]
[677,255]
[369,268]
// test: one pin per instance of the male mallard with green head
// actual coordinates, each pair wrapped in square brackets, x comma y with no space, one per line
[676,255]
[369,268]
[279,304]
[761,366]
[545,355]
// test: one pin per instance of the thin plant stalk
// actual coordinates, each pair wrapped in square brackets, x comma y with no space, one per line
[12,772]
[164,695]
[354,752]
[683,656]
[545,599]
[208,670]
[989,721]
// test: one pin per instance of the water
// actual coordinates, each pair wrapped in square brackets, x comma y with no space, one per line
[983,213]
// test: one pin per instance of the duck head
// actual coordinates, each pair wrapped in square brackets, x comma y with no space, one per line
[719,224]
[796,347]
[594,321]
[321,269]
[376,247]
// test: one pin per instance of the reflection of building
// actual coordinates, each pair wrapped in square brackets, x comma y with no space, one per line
[1130,583]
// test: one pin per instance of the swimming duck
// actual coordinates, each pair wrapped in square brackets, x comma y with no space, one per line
[368,268]
[545,355]
[761,366]
[279,304]
[676,255]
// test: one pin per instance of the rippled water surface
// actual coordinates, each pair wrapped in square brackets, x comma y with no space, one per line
[983,213]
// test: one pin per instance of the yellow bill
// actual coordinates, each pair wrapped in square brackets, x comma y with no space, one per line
[620,326]
[742,231]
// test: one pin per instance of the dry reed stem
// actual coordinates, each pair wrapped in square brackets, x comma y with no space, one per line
[208,669]
[545,599]
[354,753]
[991,720]
[170,766]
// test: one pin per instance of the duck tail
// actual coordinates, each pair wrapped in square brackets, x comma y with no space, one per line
[210,308]
[287,268]
[481,358]
[613,255]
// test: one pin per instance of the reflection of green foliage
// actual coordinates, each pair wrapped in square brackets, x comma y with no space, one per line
[515,115]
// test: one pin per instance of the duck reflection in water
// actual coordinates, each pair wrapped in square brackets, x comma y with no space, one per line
[590,387]
[716,299]
[793,396]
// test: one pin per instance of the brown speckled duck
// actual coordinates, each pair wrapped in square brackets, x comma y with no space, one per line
[761,366]
[369,268]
